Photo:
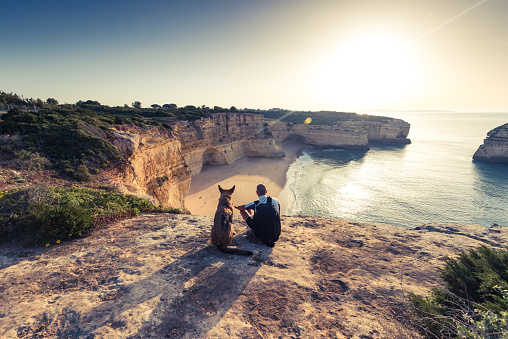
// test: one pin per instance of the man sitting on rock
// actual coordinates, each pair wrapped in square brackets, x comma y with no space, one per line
[265,222]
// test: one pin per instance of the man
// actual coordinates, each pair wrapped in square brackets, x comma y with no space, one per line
[265,222]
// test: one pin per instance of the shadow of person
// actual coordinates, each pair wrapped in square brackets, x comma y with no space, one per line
[190,295]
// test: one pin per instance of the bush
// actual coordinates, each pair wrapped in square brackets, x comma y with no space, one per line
[82,174]
[50,223]
[472,300]
[26,160]
[47,214]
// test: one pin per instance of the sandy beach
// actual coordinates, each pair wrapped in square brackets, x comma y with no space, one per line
[245,174]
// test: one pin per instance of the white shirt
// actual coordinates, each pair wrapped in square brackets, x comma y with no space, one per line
[262,200]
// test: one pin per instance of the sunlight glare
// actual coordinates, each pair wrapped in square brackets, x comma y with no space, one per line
[366,71]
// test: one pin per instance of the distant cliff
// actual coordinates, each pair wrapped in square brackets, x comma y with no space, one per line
[160,162]
[225,137]
[347,134]
[495,146]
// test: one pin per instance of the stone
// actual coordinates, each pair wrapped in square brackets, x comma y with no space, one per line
[495,146]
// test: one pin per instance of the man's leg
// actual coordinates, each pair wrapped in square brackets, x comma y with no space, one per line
[245,214]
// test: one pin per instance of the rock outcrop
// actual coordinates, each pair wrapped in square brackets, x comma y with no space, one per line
[225,137]
[157,276]
[495,146]
[155,166]
[347,135]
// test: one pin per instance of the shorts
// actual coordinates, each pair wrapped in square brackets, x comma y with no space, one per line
[250,222]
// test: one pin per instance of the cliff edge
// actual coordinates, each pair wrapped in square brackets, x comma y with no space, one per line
[158,276]
[495,146]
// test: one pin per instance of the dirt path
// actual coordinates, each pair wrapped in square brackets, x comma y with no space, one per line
[157,276]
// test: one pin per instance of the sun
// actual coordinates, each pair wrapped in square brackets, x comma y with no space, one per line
[366,71]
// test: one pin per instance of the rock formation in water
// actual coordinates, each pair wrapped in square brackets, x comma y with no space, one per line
[495,146]
[160,162]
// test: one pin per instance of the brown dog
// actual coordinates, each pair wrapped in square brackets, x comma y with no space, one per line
[222,230]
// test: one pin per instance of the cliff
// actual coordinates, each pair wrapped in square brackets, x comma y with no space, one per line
[160,162]
[495,146]
[155,167]
[157,276]
[225,137]
[354,134]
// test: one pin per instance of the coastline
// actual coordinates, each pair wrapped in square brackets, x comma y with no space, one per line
[245,173]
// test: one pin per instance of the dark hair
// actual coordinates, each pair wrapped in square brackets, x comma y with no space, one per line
[261,189]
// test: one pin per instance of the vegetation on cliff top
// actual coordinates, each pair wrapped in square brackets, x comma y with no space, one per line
[474,301]
[47,215]
[73,140]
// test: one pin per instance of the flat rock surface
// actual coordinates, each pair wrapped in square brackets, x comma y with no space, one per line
[157,276]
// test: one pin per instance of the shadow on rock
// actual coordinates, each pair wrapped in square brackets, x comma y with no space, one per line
[191,295]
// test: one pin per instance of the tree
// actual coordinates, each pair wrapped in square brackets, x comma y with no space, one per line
[233,109]
[169,106]
[155,106]
[52,101]
[136,104]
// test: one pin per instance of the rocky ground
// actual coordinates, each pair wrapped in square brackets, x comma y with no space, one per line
[157,276]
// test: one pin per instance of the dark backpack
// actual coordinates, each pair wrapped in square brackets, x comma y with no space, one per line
[267,221]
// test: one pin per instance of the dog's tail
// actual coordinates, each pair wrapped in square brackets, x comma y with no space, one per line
[233,250]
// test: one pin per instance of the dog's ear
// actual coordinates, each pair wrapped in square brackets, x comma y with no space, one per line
[233,189]
[220,189]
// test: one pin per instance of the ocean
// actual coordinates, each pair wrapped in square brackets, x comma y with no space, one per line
[431,180]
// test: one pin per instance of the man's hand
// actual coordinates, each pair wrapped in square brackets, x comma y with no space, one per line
[240,208]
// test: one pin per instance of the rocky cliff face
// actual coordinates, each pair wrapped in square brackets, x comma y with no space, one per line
[389,130]
[155,166]
[495,146]
[347,134]
[160,163]
[223,138]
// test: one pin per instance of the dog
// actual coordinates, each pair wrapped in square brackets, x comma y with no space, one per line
[222,230]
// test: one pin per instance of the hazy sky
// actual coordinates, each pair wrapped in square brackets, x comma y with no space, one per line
[343,55]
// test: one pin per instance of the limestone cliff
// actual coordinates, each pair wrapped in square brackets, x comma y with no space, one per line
[495,146]
[354,134]
[160,163]
[225,137]
[155,167]
[389,130]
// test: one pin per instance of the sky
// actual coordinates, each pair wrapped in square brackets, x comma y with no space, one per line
[338,55]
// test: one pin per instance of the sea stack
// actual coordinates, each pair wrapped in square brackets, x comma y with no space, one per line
[495,146]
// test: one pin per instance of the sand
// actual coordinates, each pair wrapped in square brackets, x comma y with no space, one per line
[245,174]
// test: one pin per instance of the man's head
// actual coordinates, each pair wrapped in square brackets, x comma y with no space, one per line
[261,190]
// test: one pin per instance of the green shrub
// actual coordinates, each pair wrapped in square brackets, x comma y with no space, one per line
[46,214]
[82,174]
[472,299]
[26,160]
[49,223]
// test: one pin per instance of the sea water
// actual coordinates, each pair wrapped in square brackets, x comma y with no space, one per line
[431,180]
